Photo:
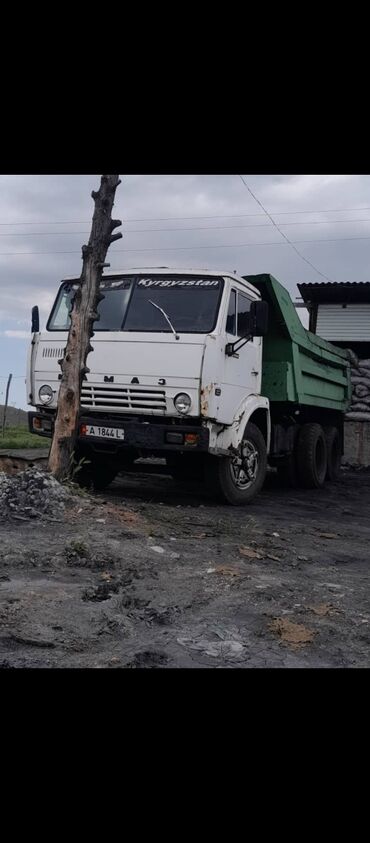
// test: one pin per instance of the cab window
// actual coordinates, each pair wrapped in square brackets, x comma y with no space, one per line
[244,306]
[231,315]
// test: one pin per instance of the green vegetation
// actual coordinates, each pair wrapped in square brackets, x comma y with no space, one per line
[77,553]
[19,437]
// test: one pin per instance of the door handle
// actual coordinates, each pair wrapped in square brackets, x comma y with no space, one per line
[254,372]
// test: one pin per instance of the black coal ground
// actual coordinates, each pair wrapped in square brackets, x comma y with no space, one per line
[157,575]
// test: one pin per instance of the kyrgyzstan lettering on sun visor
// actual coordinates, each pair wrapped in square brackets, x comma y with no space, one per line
[178,282]
[125,283]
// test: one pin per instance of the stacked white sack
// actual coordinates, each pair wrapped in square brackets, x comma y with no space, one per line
[360,380]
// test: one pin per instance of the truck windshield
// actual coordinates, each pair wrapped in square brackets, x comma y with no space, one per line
[190,301]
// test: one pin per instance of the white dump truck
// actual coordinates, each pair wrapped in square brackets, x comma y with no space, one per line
[210,370]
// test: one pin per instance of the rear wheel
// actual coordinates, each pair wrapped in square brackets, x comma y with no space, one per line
[334,452]
[238,479]
[312,456]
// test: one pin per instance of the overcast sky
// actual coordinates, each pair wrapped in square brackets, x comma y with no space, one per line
[213,221]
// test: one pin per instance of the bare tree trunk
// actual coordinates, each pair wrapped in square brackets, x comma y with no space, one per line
[83,315]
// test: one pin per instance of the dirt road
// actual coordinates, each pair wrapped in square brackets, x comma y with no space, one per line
[152,574]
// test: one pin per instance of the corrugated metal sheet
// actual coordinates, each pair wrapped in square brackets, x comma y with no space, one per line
[336,292]
[337,323]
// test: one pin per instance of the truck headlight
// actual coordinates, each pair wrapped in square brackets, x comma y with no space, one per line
[46,394]
[182,402]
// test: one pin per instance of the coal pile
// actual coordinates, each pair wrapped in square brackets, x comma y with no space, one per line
[32,494]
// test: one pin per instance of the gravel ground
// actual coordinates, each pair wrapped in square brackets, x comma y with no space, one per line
[154,574]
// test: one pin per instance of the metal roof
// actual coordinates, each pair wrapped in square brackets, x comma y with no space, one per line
[345,292]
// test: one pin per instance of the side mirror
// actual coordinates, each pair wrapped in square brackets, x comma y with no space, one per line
[259,314]
[35,326]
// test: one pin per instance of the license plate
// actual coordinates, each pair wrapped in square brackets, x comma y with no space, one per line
[102,432]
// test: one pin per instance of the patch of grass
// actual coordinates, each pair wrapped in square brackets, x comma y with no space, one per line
[77,553]
[79,548]
[75,489]
[19,437]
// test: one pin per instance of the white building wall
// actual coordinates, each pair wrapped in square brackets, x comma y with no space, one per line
[342,324]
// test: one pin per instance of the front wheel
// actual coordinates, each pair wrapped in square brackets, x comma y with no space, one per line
[239,478]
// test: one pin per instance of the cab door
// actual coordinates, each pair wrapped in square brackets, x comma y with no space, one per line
[242,372]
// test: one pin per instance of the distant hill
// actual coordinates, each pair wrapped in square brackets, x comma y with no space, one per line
[14,417]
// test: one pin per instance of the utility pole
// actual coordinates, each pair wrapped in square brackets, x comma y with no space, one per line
[6,402]
[83,315]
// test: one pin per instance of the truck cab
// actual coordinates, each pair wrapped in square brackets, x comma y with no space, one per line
[175,372]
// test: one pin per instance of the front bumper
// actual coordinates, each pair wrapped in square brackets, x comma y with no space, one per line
[140,435]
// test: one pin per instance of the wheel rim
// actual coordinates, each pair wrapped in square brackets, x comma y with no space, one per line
[244,474]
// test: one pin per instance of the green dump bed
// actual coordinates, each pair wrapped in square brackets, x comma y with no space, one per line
[299,367]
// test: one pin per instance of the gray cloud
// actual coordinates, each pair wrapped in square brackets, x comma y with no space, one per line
[228,242]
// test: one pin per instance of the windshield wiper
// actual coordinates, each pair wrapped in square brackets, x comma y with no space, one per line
[166,318]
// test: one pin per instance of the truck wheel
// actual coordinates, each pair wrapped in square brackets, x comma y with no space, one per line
[312,456]
[334,453]
[239,484]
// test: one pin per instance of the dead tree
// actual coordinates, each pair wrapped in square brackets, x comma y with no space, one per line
[83,315]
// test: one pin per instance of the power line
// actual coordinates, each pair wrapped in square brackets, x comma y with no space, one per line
[282,233]
[204,217]
[224,227]
[192,228]
[234,216]
[42,233]
[191,248]
[323,222]
[55,222]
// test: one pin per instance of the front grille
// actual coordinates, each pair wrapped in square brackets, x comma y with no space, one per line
[123,397]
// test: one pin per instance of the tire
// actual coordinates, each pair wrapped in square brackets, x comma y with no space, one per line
[312,456]
[239,484]
[334,453]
